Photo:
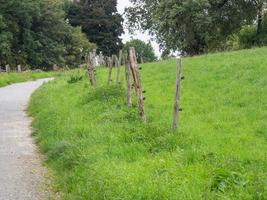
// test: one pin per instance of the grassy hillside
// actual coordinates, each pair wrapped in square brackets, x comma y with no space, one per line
[7,79]
[99,149]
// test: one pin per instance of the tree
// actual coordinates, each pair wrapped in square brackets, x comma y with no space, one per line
[166,54]
[192,27]
[100,21]
[144,51]
[5,42]
[256,34]
[77,47]
[35,33]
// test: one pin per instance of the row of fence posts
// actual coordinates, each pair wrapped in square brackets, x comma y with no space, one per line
[133,79]
[8,69]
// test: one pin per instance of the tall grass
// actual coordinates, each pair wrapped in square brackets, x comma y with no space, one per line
[100,149]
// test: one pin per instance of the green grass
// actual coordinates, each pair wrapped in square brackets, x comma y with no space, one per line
[7,79]
[99,149]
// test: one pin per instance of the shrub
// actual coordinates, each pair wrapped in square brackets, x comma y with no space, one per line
[74,78]
[247,36]
[232,42]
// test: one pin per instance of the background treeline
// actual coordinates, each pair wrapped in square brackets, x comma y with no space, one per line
[201,26]
[43,33]
[39,33]
[144,51]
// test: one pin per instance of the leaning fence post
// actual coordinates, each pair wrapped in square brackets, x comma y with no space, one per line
[137,82]
[128,83]
[177,95]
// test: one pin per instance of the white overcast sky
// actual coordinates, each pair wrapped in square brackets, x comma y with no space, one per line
[122,4]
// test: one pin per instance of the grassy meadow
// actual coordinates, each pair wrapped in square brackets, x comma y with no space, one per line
[10,78]
[99,149]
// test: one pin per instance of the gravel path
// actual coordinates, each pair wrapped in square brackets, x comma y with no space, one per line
[22,176]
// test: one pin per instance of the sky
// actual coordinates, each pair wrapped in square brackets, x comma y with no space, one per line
[122,4]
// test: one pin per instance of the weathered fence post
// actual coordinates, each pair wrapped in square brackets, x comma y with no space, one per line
[142,60]
[19,68]
[101,60]
[137,82]
[8,70]
[117,65]
[118,68]
[128,83]
[93,57]
[55,67]
[120,57]
[110,66]
[177,95]
[90,69]
[93,61]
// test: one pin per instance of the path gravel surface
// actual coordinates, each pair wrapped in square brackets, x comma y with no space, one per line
[22,176]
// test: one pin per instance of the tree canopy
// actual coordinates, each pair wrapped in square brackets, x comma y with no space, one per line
[192,27]
[144,51]
[35,33]
[100,21]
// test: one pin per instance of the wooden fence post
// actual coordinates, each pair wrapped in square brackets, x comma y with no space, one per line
[120,57]
[93,57]
[110,66]
[137,82]
[142,60]
[118,66]
[19,68]
[90,69]
[8,70]
[128,83]
[177,95]
[93,61]
[55,67]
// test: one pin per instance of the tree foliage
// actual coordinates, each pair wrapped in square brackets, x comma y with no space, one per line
[254,35]
[191,26]
[144,51]
[35,33]
[100,21]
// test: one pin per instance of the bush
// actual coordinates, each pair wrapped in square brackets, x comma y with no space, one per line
[247,36]
[74,78]
[144,51]
[232,42]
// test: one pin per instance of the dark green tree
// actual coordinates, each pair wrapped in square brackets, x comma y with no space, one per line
[144,51]
[5,42]
[100,21]
[35,33]
[77,47]
[192,27]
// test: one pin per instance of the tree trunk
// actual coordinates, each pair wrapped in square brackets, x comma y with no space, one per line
[260,18]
